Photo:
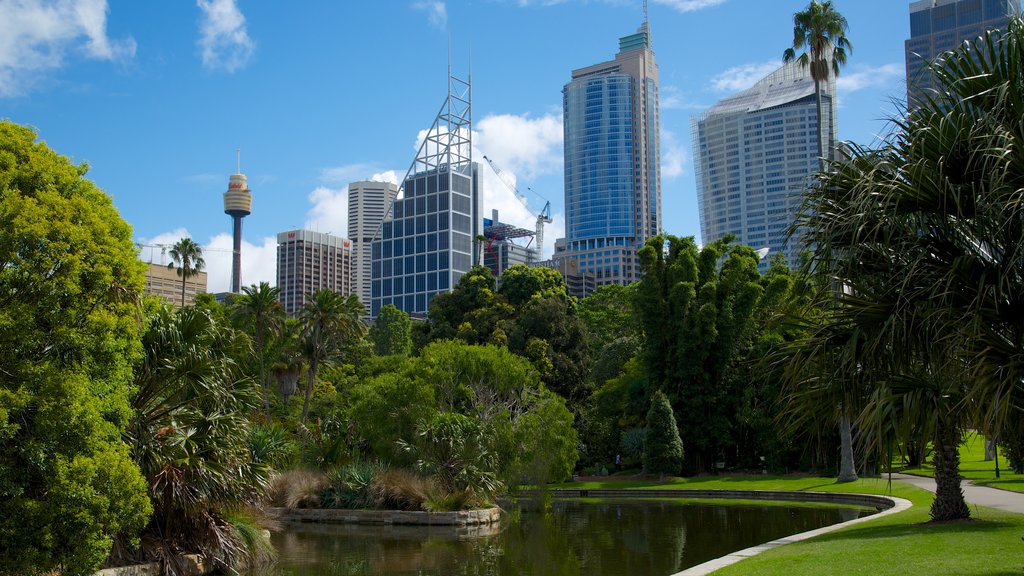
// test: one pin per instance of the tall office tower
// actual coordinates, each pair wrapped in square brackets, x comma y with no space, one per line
[428,240]
[238,205]
[755,154]
[308,261]
[937,26]
[613,161]
[367,204]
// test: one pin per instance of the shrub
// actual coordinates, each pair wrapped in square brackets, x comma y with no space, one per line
[296,489]
[401,490]
[350,486]
[663,453]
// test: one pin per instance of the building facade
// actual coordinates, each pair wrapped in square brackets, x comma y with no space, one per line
[308,261]
[754,155]
[612,162]
[938,26]
[165,283]
[579,284]
[428,241]
[367,204]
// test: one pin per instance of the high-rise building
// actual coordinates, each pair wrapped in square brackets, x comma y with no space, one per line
[308,261]
[165,283]
[612,161]
[367,204]
[238,205]
[428,241]
[938,26]
[500,252]
[754,156]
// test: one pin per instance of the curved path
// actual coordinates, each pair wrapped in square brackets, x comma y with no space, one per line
[978,495]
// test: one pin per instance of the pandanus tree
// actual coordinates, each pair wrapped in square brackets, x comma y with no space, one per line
[188,256]
[259,309]
[328,320]
[926,235]
[820,30]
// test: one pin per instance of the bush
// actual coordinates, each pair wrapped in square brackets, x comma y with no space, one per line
[296,489]
[351,486]
[401,490]
[663,449]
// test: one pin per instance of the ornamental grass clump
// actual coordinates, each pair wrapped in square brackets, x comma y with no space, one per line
[296,489]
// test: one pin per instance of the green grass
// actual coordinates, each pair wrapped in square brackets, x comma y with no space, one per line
[904,544]
[974,468]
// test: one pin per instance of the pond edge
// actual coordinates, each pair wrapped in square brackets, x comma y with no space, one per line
[402,517]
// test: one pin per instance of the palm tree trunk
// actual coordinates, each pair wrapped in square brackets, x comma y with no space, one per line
[817,103]
[847,468]
[263,384]
[309,388]
[183,277]
[949,501]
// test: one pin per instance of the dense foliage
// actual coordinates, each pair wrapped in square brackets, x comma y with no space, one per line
[69,279]
[663,450]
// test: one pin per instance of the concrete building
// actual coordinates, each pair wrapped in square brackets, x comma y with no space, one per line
[501,252]
[579,284]
[164,282]
[938,26]
[367,204]
[612,161]
[428,240]
[308,261]
[754,154]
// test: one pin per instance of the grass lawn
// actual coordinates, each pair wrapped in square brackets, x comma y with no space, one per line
[974,468]
[902,544]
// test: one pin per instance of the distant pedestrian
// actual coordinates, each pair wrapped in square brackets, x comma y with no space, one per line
[618,462]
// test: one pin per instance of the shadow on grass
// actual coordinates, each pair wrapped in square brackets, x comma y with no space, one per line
[869,532]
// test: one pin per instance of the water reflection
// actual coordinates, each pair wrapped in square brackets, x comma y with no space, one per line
[635,537]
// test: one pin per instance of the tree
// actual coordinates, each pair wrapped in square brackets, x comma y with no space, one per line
[821,29]
[70,280]
[189,259]
[663,450]
[391,332]
[696,309]
[924,234]
[259,308]
[328,320]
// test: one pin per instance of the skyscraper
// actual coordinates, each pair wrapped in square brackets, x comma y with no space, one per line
[612,161]
[755,153]
[367,204]
[937,26]
[238,205]
[428,241]
[308,261]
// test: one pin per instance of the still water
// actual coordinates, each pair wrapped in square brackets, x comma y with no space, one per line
[610,537]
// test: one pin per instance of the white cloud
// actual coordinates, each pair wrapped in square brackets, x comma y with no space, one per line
[329,210]
[870,77]
[224,40]
[689,5]
[437,13]
[36,35]
[672,98]
[744,76]
[673,156]
[532,146]
[259,263]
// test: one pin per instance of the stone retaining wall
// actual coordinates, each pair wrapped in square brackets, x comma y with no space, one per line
[195,566]
[868,500]
[330,516]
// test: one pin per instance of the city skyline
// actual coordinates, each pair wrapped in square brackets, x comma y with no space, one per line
[158,112]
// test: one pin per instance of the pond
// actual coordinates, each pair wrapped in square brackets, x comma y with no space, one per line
[596,538]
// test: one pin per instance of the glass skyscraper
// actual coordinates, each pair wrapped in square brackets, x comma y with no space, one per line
[754,154]
[612,162]
[938,26]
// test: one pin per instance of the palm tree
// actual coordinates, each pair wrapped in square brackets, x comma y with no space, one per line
[189,257]
[328,319]
[925,234]
[259,308]
[821,30]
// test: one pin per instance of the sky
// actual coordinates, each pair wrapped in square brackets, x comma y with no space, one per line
[157,96]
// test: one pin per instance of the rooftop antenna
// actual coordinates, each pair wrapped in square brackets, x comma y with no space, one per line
[645,11]
[238,158]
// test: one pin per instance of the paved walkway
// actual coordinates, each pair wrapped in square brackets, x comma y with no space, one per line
[980,495]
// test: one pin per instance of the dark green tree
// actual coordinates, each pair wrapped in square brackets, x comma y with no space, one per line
[259,310]
[188,260]
[696,309]
[663,450]
[391,332]
[70,280]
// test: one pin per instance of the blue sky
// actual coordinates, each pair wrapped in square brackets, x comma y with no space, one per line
[157,95]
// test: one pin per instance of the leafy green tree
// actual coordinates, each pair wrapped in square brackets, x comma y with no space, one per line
[924,234]
[190,437]
[188,256]
[69,283]
[663,450]
[259,309]
[520,283]
[391,332]
[821,30]
[328,321]
[696,309]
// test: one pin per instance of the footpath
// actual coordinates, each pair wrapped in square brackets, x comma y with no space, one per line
[979,495]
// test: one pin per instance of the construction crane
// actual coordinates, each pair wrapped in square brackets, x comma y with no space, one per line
[544,217]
